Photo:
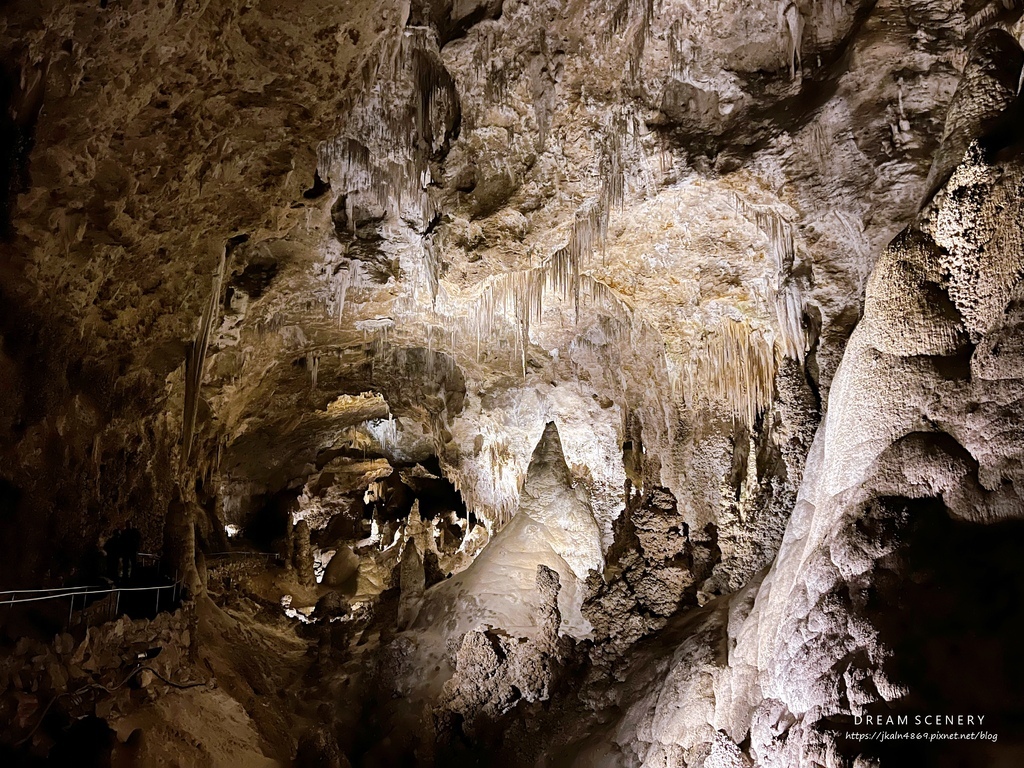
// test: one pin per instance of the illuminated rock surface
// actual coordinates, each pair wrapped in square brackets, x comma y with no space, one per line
[506,383]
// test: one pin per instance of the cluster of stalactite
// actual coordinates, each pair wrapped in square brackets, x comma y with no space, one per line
[508,477]
[783,294]
[612,171]
[775,227]
[789,312]
[385,432]
[735,370]
[342,281]
[636,363]
[631,20]
[679,50]
[517,298]
[404,115]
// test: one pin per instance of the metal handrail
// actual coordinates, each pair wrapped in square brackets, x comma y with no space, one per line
[34,591]
[10,598]
[12,601]
[77,591]
[144,555]
[242,552]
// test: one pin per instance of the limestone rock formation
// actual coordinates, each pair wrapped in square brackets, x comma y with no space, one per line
[494,671]
[896,475]
[493,382]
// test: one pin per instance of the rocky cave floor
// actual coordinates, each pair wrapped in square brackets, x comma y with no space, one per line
[241,681]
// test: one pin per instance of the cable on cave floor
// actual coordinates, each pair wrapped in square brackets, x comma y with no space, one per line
[99,686]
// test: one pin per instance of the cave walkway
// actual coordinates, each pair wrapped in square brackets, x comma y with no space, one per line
[86,605]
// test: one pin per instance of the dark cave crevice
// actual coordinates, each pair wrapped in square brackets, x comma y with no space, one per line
[950,604]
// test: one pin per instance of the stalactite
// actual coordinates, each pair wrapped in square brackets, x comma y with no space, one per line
[269,325]
[385,432]
[679,50]
[313,365]
[432,266]
[782,292]
[542,85]
[343,281]
[195,363]
[434,84]
[505,476]
[402,116]
[483,53]
[791,20]
[822,143]
[644,11]
[381,347]
[736,369]
[789,308]
[777,229]
[986,15]
[496,88]
[613,178]
[518,296]
[97,453]
[617,20]
[854,228]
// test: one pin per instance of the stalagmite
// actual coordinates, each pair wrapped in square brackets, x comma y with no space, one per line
[412,580]
[180,545]
[303,555]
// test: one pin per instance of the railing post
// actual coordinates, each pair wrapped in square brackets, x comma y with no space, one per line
[71,609]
